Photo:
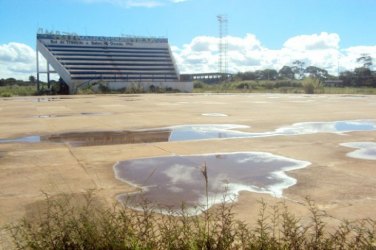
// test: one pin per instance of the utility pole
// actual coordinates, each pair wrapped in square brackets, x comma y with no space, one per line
[222,60]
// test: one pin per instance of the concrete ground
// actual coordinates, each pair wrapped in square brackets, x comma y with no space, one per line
[343,186]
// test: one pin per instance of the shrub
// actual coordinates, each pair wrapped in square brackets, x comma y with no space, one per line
[66,222]
[310,85]
[198,85]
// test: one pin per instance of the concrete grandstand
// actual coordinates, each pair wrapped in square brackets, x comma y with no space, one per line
[115,62]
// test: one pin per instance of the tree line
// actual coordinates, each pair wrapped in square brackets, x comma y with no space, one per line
[362,76]
[13,81]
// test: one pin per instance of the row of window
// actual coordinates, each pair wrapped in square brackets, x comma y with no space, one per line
[106,61]
[118,54]
[129,72]
[113,58]
[127,78]
[100,48]
[133,67]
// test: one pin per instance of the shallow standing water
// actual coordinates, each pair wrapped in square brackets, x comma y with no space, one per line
[364,150]
[167,182]
[193,132]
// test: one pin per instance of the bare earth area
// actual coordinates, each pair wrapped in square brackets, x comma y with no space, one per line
[345,187]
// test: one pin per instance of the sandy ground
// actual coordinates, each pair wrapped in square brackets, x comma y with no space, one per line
[344,187]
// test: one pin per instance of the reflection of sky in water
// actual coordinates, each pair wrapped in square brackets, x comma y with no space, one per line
[169,181]
[214,114]
[30,139]
[229,131]
[365,150]
[201,132]
[326,127]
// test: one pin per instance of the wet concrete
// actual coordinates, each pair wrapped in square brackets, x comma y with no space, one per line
[108,137]
[167,182]
[205,132]
[326,127]
[365,150]
[68,115]
[228,131]
[194,132]
[214,114]
[28,139]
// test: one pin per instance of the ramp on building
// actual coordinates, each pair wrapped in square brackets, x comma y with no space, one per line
[116,62]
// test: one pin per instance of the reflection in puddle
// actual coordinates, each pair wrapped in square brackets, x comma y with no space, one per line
[44,116]
[365,150]
[94,113]
[77,139]
[46,99]
[214,114]
[67,115]
[109,137]
[30,139]
[197,132]
[204,132]
[226,131]
[326,127]
[167,182]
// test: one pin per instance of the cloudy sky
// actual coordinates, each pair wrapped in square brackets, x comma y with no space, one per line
[329,34]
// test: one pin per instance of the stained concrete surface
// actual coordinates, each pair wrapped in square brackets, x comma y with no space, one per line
[345,187]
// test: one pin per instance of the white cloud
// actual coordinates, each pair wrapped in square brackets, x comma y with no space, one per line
[320,41]
[17,60]
[249,54]
[244,54]
[16,52]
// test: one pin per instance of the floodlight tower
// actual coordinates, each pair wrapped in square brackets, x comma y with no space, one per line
[222,61]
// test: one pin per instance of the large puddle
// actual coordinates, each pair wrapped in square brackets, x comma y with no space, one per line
[168,182]
[194,132]
[364,150]
[78,114]
[78,139]
[228,131]
[214,114]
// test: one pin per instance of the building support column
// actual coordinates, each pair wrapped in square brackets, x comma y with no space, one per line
[38,80]
[48,76]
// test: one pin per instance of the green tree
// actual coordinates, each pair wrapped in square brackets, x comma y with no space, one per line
[269,74]
[32,79]
[366,60]
[298,68]
[286,72]
[317,72]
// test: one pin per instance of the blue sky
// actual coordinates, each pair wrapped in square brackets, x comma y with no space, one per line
[269,24]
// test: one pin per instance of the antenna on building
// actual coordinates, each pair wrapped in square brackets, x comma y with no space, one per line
[222,61]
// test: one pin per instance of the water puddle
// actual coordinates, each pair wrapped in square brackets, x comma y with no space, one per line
[326,127]
[365,150]
[67,115]
[77,139]
[206,132]
[195,132]
[46,99]
[29,139]
[214,114]
[95,113]
[169,181]
[46,116]
[228,131]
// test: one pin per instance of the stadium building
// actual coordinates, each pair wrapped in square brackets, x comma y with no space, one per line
[114,62]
